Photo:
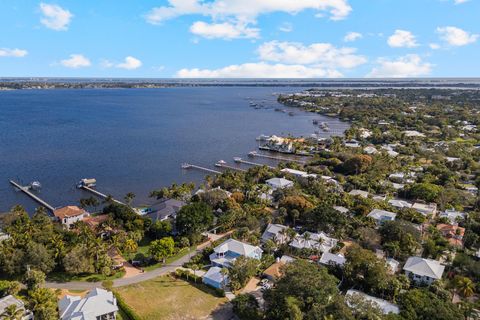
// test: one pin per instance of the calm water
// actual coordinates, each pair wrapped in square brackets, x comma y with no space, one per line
[130,140]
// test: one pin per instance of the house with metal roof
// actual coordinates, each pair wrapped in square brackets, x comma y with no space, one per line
[422,270]
[227,252]
[279,183]
[385,306]
[97,304]
[10,300]
[380,216]
[274,232]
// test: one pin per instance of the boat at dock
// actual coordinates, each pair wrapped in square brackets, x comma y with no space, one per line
[35,185]
[220,163]
[89,183]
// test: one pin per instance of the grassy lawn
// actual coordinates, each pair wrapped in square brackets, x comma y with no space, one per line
[169,298]
[178,255]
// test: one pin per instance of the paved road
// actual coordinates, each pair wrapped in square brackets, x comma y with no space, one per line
[79,285]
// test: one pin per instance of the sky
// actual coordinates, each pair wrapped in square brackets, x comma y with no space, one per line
[240,38]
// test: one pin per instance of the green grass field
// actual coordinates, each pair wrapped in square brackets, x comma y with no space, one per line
[170,298]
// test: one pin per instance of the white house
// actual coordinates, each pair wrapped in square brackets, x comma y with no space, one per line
[279,183]
[413,134]
[97,304]
[215,278]
[298,173]
[315,241]
[10,300]
[370,150]
[426,209]
[422,270]
[360,193]
[400,204]
[452,215]
[227,252]
[329,259]
[384,305]
[69,215]
[3,236]
[392,265]
[341,209]
[274,232]
[381,216]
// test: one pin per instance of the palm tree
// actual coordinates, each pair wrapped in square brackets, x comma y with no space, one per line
[224,273]
[12,312]
[465,286]
[194,267]
[129,198]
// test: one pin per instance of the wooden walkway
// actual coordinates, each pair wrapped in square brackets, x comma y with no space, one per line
[192,166]
[26,190]
[256,154]
[101,195]
[240,160]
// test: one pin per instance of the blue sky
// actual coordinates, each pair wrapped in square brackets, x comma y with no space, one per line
[240,38]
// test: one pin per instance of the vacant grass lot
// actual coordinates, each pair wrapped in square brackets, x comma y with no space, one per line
[169,298]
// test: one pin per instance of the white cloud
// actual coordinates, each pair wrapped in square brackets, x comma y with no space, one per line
[460,1]
[76,61]
[224,30]
[260,70]
[55,17]
[286,27]
[455,36]
[16,53]
[402,38]
[352,36]
[407,66]
[323,54]
[246,10]
[434,46]
[130,63]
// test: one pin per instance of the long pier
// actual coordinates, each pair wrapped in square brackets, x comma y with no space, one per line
[240,160]
[31,195]
[99,194]
[192,166]
[226,166]
[256,154]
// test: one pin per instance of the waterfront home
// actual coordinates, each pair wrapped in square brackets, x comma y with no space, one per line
[227,252]
[10,300]
[364,133]
[380,216]
[454,234]
[399,203]
[341,209]
[370,149]
[69,215]
[275,232]
[359,193]
[298,173]
[385,306]
[279,183]
[3,236]
[314,241]
[95,224]
[426,209]
[352,144]
[452,215]
[470,188]
[215,278]
[165,209]
[331,259]
[423,271]
[97,304]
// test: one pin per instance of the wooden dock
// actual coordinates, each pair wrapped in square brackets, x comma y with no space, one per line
[256,154]
[240,160]
[26,190]
[99,194]
[192,166]
[226,166]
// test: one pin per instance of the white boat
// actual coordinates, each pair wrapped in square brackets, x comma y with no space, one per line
[185,166]
[237,159]
[87,183]
[220,163]
[262,137]
[35,185]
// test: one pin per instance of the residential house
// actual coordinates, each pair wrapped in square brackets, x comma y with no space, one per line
[331,259]
[422,270]
[385,306]
[359,193]
[275,232]
[227,252]
[370,149]
[314,241]
[400,204]
[380,216]
[10,300]
[413,134]
[279,183]
[165,209]
[298,173]
[426,209]
[341,209]
[452,215]
[69,215]
[98,304]
[352,144]
[453,233]
[392,265]
[3,236]
[215,278]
